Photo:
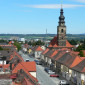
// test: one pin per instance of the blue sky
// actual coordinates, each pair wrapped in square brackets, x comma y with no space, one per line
[35,16]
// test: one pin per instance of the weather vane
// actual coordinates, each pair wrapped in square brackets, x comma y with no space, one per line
[61,4]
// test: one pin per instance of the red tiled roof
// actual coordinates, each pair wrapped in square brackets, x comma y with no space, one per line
[10,42]
[68,44]
[50,45]
[11,57]
[80,67]
[30,75]
[76,61]
[83,70]
[13,76]
[54,53]
[60,55]
[54,43]
[39,49]
[45,51]
[82,58]
[18,56]
[6,45]
[49,53]
[6,66]
[29,66]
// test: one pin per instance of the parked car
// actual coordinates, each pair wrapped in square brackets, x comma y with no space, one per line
[38,62]
[50,72]
[63,82]
[27,60]
[54,75]
[46,69]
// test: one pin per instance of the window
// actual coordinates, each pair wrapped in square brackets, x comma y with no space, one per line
[62,30]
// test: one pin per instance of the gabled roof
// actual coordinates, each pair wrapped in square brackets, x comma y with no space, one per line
[39,49]
[76,61]
[35,79]
[80,67]
[55,45]
[59,55]
[49,53]
[44,52]
[11,57]
[67,59]
[29,66]
[54,53]
[6,66]
[10,42]
[17,54]
[50,45]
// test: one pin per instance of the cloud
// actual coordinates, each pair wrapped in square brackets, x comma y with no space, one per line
[53,6]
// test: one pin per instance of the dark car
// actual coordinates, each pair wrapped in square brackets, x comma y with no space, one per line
[38,62]
[46,69]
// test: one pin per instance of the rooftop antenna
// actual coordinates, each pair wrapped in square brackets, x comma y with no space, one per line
[46,37]
[46,34]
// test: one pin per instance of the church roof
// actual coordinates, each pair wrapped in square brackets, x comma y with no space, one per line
[54,43]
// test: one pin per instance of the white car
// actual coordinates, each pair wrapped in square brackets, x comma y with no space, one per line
[27,60]
[50,72]
[63,82]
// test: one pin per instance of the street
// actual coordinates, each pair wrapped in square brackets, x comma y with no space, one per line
[43,77]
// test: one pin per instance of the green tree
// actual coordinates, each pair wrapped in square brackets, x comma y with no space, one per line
[18,45]
[39,42]
[1,48]
[81,54]
[79,48]
[73,42]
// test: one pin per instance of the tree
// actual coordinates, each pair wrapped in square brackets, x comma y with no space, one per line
[73,42]
[18,45]
[39,42]
[36,43]
[1,48]
[81,54]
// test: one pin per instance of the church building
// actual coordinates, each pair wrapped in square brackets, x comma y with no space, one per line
[60,40]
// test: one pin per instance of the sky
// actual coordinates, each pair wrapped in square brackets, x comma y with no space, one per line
[35,16]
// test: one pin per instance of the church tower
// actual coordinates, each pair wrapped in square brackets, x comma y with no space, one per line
[61,30]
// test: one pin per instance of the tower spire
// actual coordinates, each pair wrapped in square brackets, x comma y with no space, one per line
[61,18]
[61,29]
